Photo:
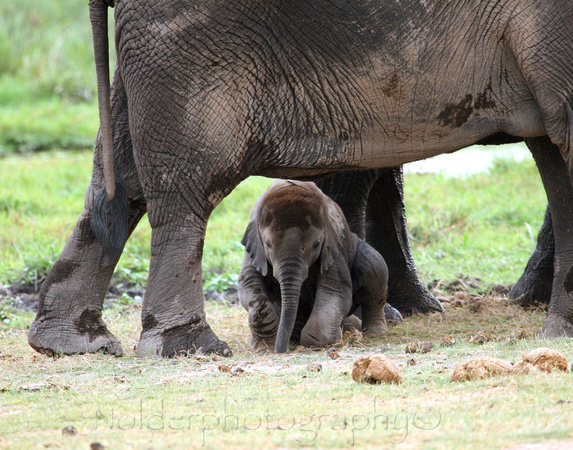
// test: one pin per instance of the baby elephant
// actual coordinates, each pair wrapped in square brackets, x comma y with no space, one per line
[304,271]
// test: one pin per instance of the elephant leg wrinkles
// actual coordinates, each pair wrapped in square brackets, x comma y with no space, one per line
[536,282]
[370,288]
[263,317]
[179,203]
[173,314]
[330,308]
[557,183]
[71,299]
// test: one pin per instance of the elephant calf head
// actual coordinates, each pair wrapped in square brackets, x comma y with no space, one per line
[294,222]
[297,235]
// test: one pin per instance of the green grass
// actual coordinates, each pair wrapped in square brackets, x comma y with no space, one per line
[47,76]
[41,197]
[458,225]
[484,225]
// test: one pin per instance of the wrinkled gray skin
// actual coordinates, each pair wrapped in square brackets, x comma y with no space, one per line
[373,204]
[207,93]
[536,283]
[304,270]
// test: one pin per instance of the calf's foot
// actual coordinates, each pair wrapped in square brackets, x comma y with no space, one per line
[377,328]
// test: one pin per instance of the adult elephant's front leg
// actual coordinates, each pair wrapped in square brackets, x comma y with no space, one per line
[173,316]
[559,189]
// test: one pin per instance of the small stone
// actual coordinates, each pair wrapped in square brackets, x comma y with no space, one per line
[237,370]
[480,338]
[224,368]
[314,367]
[70,430]
[411,362]
[200,357]
[333,353]
[96,446]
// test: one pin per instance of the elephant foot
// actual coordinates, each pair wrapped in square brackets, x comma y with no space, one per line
[351,322]
[180,340]
[533,286]
[87,334]
[557,326]
[393,315]
[377,328]
[413,298]
[374,329]
[318,338]
[261,347]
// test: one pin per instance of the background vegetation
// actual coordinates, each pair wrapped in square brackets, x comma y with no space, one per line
[47,101]
[483,226]
[47,80]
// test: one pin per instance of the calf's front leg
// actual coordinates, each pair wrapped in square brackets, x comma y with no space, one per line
[263,316]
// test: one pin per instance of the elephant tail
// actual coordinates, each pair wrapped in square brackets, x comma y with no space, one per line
[109,215]
[110,220]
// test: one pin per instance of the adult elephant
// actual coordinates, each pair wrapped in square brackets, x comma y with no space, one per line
[206,93]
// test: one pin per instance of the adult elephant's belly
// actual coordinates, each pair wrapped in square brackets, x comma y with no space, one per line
[392,144]
[379,149]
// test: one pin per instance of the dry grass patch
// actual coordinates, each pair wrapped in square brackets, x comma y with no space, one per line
[304,398]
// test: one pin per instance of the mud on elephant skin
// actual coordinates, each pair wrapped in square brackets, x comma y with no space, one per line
[208,93]
[304,271]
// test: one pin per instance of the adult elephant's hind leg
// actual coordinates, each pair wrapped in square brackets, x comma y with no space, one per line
[69,318]
[373,204]
[557,183]
[536,282]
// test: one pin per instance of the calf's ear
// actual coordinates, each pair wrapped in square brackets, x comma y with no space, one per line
[335,228]
[254,245]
